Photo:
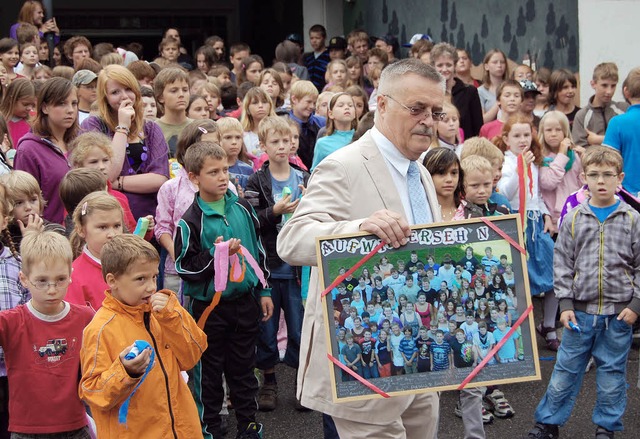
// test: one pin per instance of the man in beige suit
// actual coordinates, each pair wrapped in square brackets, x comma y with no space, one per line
[369,186]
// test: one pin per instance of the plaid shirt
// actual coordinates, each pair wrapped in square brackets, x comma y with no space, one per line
[12,293]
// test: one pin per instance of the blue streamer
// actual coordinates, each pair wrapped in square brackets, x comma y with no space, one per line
[141,345]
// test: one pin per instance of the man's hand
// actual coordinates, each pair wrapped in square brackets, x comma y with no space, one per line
[628,316]
[568,316]
[389,226]
[267,308]
[136,366]
[158,301]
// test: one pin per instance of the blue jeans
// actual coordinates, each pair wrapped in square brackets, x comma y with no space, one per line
[608,340]
[370,371]
[285,294]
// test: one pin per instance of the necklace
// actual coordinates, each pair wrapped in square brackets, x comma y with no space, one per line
[447,214]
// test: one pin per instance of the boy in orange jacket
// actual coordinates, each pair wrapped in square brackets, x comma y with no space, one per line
[162,405]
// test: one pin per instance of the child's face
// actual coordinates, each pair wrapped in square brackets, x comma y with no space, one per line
[29,56]
[202,63]
[396,329]
[43,53]
[322,106]
[136,285]
[502,326]
[358,101]
[212,180]
[236,59]
[470,320]
[357,322]
[212,100]
[24,206]
[218,46]
[439,337]
[478,186]
[367,335]
[422,333]
[258,109]
[519,138]
[97,158]
[493,313]
[452,326]
[24,106]
[460,337]
[149,108]
[350,341]
[224,78]
[271,86]
[373,62]
[47,300]
[445,66]
[295,141]
[253,72]
[341,334]
[482,329]
[117,93]
[338,74]
[88,93]
[277,146]
[459,310]
[383,335]
[566,94]
[3,75]
[175,96]
[510,100]
[522,72]
[170,52]
[303,107]
[343,110]
[231,142]
[447,183]
[603,181]
[496,66]
[604,89]
[407,333]
[99,227]
[10,58]
[198,110]
[553,133]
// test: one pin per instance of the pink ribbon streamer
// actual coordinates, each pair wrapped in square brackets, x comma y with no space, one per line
[495,349]
[222,261]
[353,269]
[351,372]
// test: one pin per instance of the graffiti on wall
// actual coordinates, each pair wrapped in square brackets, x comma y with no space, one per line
[545,31]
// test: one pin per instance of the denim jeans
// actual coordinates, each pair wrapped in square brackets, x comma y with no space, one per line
[285,294]
[608,340]
[370,371]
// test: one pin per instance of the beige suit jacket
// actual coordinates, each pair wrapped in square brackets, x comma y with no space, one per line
[345,189]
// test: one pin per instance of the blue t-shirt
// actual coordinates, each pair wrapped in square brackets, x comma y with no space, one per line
[508,350]
[286,271]
[239,173]
[623,135]
[440,354]
[329,144]
[603,212]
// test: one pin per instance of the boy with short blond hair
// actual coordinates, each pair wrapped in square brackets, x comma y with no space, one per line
[598,311]
[41,340]
[483,147]
[623,134]
[274,191]
[132,306]
[478,186]
[171,89]
[591,121]
[303,100]
[229,317]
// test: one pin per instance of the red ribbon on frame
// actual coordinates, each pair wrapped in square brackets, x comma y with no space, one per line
[351,372]
[502,233]
[495,349]
[353,269]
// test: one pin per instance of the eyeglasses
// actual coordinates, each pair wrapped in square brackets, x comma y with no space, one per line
[44,285]
[605,176]
[419,111]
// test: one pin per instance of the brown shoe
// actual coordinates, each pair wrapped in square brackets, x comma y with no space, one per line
[268,397]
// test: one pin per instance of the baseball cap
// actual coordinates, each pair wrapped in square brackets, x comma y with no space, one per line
[416,38]
[390,40]
[337,43]
[529,87]
[296,38]
[83,77]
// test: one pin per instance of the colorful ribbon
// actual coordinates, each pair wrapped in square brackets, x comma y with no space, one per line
[351,372]
[124,408]
[495,349]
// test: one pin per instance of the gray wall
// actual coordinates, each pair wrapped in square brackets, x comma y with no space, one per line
[546,29]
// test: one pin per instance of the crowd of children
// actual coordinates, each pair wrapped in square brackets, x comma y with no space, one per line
[213,152]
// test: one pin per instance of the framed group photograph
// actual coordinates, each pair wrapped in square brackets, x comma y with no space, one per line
[422,317]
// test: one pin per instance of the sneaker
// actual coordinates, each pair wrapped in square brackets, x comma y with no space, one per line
[543,431]
[603,433]
[499,405]
[268,397]
[253,431]
[487,417]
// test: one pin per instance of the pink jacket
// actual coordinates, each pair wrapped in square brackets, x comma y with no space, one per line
[556,184]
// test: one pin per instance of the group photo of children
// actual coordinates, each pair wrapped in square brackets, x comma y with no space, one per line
[144,200]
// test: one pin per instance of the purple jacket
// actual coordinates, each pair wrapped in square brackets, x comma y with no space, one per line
[156,163]
[47,163]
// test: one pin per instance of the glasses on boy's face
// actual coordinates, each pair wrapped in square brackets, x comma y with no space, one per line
[420,112]
[606,176]
[44,285]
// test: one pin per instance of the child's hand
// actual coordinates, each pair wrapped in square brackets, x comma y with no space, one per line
[549,226]
[303,190]
[35,224]
[152,223]
[528,156]
[6,145]
[628,316]
[136,366]
[267,308]
[285,205]
[234,244]
[126,113]
[158,301]
[569,316]
[594,139]
[564,146]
